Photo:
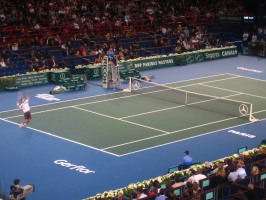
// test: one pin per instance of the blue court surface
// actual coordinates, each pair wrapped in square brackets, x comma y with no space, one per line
[61,168]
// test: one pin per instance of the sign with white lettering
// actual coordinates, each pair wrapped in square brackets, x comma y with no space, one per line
[47,97]
[70,166]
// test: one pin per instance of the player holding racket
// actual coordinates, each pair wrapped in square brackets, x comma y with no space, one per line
[26,110]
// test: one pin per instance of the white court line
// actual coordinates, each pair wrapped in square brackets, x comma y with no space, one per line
[241,76]
[116,92]
[234,91]
[56,136]
[120,119]
[107,100]
[65,101]
[179,106]
[119,98]
[169,133]
[94,102]
[153,147]
[201,82]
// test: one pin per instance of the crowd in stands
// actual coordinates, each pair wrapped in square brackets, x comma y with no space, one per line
[258,35]
[242,172]
[87,30]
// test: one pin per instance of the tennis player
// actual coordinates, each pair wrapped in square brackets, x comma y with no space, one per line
[26,110]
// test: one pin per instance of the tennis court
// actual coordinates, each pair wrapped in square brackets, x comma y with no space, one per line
[126,122]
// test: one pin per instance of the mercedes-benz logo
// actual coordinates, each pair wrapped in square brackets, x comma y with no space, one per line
[243,109]
[199,57]
[190,58]
[135,85]
[96,71]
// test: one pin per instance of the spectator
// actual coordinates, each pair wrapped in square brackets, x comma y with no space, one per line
[233,175]
[240,170]
[251,193]
[217,43]
[254,37]
[53,63]
[196,176]
[220,177]
[245,38]
[2,63]
[188,192]
[120,196]
[240,195]
[140,193]
[9,63]
[98,59]
[261,153]
[255,170]
[186,32]
[161,195]
[186,45]
[16,190]
[186,162]
[171,194]
[178,183]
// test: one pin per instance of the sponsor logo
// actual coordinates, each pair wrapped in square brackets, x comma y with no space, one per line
[78,168]
[53,77]
[199,57]
[129,66]
[135,85]
[250,70]
[242,134]
[62,76]
[47,97]
[151,63]
[137,65]
[229,53]
[190,58]
[164,62]
[243,109]
[212,55]
[96,71]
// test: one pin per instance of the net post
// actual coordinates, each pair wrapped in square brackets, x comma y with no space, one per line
[251,117]
[186,99]
[130,84]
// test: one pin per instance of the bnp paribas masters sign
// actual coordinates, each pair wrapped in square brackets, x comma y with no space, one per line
[149,63]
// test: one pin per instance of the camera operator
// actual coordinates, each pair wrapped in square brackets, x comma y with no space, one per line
[16,191]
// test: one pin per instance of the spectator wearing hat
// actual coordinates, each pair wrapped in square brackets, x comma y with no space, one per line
[187,161]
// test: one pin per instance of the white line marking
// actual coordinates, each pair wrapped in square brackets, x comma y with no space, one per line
[179,106]
[120,120]
[56,136]
[215,122]
[107,100]
[247,77]
[234,91]
[216,131]
[114,93]
[120,98]
[169,133]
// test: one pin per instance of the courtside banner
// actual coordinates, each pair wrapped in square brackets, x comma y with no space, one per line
[189,57]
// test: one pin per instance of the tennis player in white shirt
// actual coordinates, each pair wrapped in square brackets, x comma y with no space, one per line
[26,110]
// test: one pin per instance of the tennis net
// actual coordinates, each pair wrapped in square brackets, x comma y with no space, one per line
[164,92]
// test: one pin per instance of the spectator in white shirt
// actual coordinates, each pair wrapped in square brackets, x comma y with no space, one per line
[196,176]
[2,63]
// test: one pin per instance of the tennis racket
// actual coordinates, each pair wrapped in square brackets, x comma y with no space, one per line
[19,97]
[28,94]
